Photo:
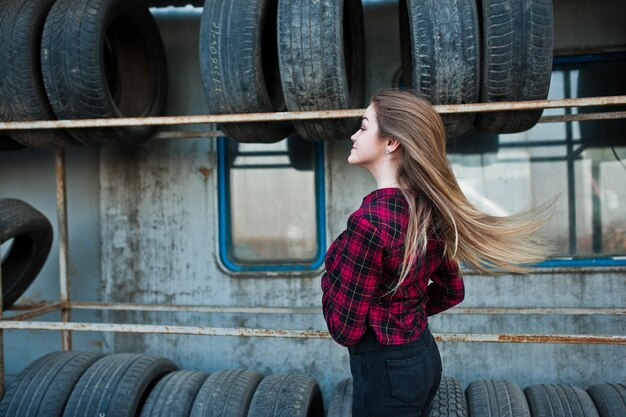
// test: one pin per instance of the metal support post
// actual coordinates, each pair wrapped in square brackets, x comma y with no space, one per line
[66,335]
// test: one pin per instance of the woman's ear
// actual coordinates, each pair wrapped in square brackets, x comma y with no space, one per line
[392,144]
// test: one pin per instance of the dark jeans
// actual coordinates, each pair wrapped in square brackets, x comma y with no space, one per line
[394,381]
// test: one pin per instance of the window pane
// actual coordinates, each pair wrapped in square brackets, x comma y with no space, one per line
[580,162]
[273,204]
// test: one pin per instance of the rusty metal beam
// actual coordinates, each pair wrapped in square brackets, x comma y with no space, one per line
[531,104]
[302,334]
[162,329]
[322,114]
[544,119]
[45,309]
[317,310]
[533,338]
[565,311]
[194,308]
[29,307]
[189,134]
[578,117]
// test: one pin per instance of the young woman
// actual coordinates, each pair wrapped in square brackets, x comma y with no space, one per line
[397,261]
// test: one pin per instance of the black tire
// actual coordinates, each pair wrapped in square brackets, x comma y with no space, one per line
[321,54]
[610,399]
[116,385]
[42,389]
[490,398]
[441,55]
[226,393]
[22,96]
[239,66]
[8,144]
[517,60]
[174,395]
[559,401]
[600,82]
[287,395]
[233,151]
[301,153]
[450,399]
[32,239]
[341,400]
[104,59]
[474,143]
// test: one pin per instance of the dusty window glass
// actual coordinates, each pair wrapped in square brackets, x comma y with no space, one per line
[581,162]
[272,194]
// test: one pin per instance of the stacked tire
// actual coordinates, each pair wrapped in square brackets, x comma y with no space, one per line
[494,398]
[283,55]
[79,59]
[82,383]
[441,54]
[448,402]
[44,387]
[517,41]
[26,236]
[465,51]
[66,59]
[453,52]
[73,384]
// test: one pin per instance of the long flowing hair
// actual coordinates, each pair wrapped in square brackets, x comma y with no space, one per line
[437,206]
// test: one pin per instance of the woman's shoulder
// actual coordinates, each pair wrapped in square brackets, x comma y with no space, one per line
[383,201]
[384,213]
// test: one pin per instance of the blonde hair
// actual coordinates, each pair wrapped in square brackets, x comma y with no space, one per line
[438,207]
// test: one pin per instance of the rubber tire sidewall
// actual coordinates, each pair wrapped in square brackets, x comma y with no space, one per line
[8,144]
[517,63]
[115,385]
[226,393]
[610,399]
[43,388]
[293,395]
[32,239]
[74,38]
[341,400]
[441,55]
[492,398]
[22,96]
[560,400]
[232,53]
[314,72]
[601,82]
[174,394]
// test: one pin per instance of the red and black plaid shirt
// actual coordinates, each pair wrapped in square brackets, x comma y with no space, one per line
[364,263]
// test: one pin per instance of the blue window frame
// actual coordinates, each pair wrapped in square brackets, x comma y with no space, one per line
[582,161]
[271,205]
[584,76]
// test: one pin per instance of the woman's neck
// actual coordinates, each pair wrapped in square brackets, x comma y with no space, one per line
[386,178]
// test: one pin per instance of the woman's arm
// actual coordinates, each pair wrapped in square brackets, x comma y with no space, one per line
[353,268]
[446,289]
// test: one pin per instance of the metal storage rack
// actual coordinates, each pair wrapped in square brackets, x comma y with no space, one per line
[22,319]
